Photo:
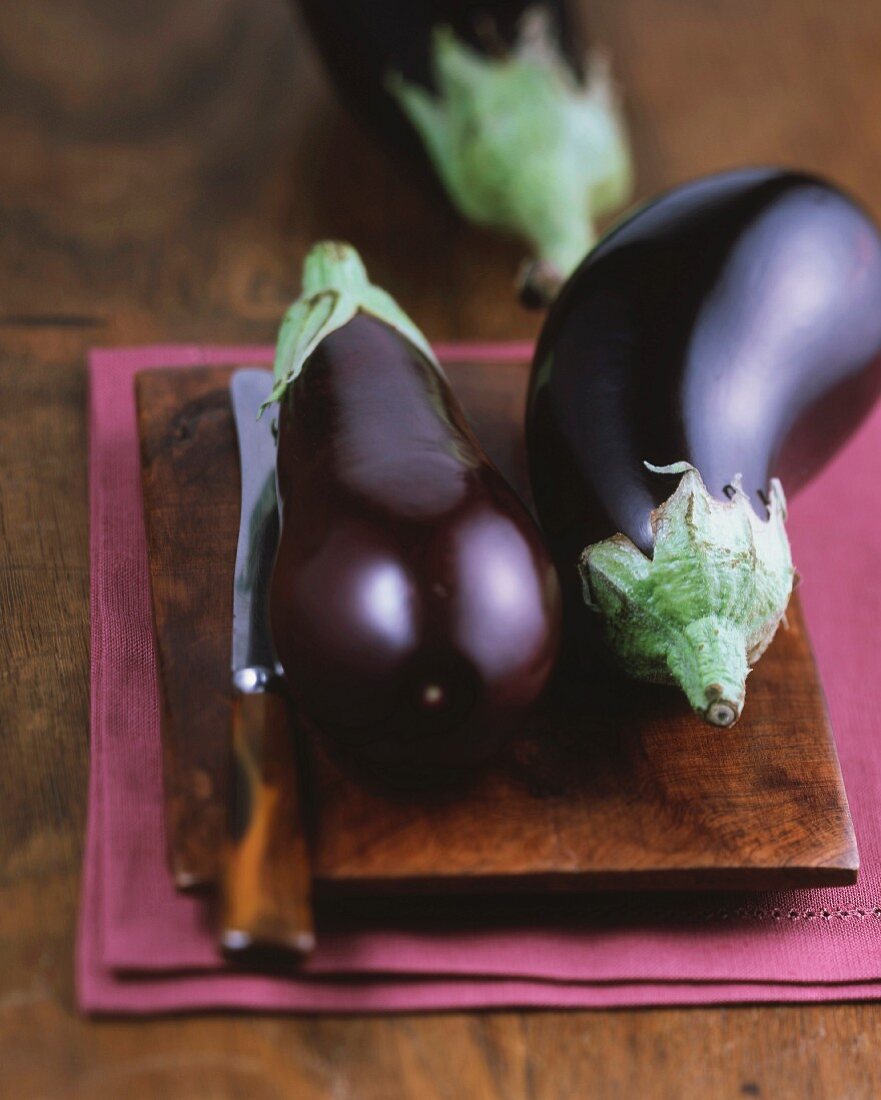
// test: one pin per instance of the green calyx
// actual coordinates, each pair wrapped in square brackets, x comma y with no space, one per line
[335,288]
[520,145]
[707,604]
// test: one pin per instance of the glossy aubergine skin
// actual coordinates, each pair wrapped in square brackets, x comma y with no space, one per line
[362,43]
[414,607]
[734,323]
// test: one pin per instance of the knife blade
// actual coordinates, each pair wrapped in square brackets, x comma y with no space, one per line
[266,879]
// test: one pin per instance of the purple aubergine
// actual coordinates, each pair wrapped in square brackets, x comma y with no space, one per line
[521,127]
[414,607]
[733,326]
[361,44]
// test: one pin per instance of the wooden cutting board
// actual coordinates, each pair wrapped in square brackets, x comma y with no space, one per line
[600,792]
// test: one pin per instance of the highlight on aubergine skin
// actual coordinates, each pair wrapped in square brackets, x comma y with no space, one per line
[520,122]
[715,348]
[414,607]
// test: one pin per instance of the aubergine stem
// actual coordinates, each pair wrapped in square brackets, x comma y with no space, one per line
[521,146]
[706,605]
[335,288]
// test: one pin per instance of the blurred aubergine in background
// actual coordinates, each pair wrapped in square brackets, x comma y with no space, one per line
[502,100]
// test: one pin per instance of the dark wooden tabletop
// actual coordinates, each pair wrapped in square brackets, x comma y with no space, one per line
[164,166]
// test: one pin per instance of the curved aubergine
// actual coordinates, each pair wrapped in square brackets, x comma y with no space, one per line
[730,334]
[495,91]
[414,607]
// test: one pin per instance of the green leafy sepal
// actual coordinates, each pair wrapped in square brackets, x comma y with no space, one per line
[702,610]
[335,288]
[520,144]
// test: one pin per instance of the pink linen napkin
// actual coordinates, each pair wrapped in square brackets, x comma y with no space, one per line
[145,948]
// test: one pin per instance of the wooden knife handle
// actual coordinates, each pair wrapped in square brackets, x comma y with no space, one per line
[266,878]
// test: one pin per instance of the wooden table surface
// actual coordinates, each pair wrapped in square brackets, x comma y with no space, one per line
[164,166]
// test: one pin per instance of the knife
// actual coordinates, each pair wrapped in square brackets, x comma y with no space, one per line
[266,879]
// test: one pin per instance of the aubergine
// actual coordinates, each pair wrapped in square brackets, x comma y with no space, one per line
[414,607]
[720,343]
[521,126]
